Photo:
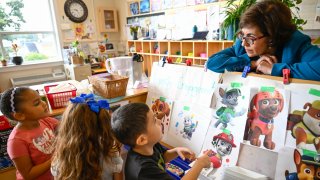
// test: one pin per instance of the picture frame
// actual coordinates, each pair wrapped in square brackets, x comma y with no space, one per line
[109,46]
[144,6]
[134,8]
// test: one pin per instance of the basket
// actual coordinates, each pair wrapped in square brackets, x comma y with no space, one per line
[59,99]
[110,86]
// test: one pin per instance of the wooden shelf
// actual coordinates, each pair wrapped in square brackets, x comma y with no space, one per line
[178,51]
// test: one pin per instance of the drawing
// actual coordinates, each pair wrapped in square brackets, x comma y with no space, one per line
[307,165]
[227,113]
[189,126]
[307,127]
[222,145]
[134,8]
[264,107]
[162,109]
[144,6]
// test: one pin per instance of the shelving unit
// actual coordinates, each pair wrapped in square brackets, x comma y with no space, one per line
[178,51]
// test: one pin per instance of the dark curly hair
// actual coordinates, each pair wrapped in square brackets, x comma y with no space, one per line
[18,98]
[273,18]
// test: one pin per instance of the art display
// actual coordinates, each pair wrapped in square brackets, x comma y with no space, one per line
[188,125]
[134,8]
[266,123]
[144,6]
[162,109]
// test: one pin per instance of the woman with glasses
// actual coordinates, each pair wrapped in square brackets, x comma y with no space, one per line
[268,42]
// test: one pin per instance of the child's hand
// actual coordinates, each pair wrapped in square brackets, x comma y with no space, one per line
[185,153]
[204,160]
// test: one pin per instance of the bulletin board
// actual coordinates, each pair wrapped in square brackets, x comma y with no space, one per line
[5,130]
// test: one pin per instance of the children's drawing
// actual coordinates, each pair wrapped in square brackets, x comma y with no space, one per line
[162,109]
[265,118]
[307,165]
[307,127]
[188,125]
[227,112]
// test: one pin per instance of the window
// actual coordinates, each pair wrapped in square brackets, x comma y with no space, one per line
[31,25]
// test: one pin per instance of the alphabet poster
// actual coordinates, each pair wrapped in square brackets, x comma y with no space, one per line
[182,83]
[226,129]
[162,109]
[188,125]
[304,118]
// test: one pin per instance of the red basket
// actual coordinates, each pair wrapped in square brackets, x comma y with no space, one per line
[59,99]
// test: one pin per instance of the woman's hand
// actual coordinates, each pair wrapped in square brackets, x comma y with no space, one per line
[264,67]
[266,57]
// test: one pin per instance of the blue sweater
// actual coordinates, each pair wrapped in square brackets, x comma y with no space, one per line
[298,55]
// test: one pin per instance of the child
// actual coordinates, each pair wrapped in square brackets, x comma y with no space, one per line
[135,125]
[31,142]
[86,148]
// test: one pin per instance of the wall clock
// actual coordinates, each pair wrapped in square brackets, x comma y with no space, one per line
[76,10]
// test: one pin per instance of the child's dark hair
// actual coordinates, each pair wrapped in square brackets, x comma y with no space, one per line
[130,121]
[10,100]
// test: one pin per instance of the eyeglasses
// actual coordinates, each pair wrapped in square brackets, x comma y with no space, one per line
[249,39]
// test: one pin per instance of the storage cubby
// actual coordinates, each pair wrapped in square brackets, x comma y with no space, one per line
[187,47]
[200,49]
[214,47]
[175,48]
[138,46]
[146,47]
[164,48]
[178,51]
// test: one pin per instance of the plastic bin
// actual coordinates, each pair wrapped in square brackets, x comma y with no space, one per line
[59,99]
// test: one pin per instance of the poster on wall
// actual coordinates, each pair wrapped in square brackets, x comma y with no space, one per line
[303,129]
[155,5]
[182,83]
[226,130]
[188,125]
[162,110]
[166,4]
[267,114]
[144,6]
[134,8]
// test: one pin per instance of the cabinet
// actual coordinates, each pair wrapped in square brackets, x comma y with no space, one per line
[107,20]
[178,51]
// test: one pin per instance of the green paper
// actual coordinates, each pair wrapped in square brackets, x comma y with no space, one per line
[267,89]
[314,92]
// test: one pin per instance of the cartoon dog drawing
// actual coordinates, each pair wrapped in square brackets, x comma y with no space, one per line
[307,127]
[189,127]
[223,144]
[308,167]
[226,113]
[264,106]
[162,111]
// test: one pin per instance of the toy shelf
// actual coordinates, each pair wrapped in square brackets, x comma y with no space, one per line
[178,51]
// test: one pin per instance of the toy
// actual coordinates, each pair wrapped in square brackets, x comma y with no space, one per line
[225,114]
[264,106]
[189,62]
[189,127]
[307,166]
[162,110]
[307,127]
